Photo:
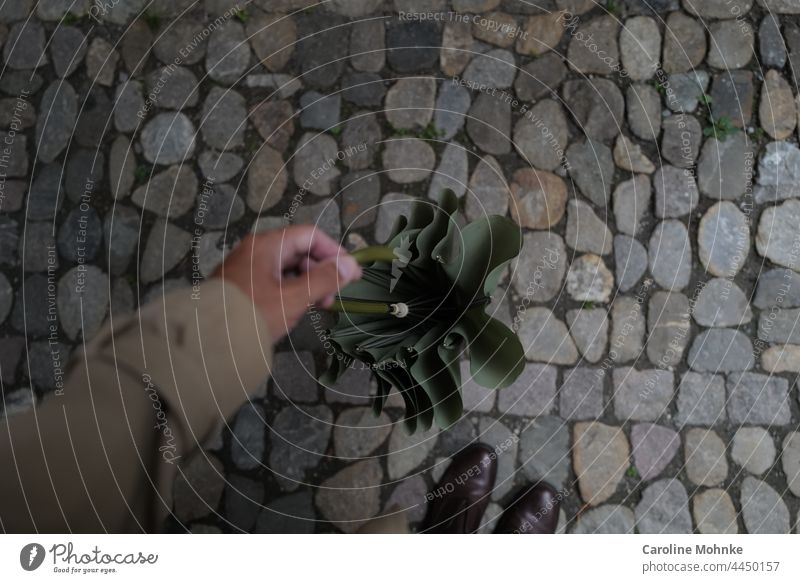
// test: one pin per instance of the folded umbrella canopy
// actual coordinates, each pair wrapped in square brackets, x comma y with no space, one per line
[421,304]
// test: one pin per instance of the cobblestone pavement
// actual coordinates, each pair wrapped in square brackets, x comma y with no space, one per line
[648,150]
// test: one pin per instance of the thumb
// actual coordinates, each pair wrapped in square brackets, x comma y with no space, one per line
[325,278]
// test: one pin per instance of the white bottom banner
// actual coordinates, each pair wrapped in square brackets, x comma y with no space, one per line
[390,558]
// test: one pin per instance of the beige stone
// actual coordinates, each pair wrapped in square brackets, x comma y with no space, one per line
[541,33]
[538,197]
[629,156]
[600,458]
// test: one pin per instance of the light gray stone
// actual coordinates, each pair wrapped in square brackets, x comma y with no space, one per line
[705,462]
[292,514]
[668,323]
[83,301]
[654,447]
[581,394]
[540,136]
[777,112]
[539,270]
[224,119]
[452,105]
[758,399]
[170,193]
[676,192]
[25,46]
[294,376]
[407,452]
[312,169]
[723,239]
[6,297]
[451,173]
[701,399]
[166,246]
[730,44]
[351,497]
[585,230]
[475,397]
[410,496]
[545,338]
[684,90]
[505,444]
[591,166]
[198,487]
[538,199]
[488,192]
[778,173]
[777,288]
[606,519]
[597,106]
[228,53]
[631,202]
[242,502]
[544,451]
[589,329]
[753,449]
[790,458]
[391,207]
[664,509]
[721,303]
[55,128]
[298,442]
[630,258]
[714,512]
[776,235]
[684,43]
[642,395]
[670,255]
[721,350]
[680,142]
[763,510]
[266,179]
[358,432]
[640,47]
[410,102]
[489,124]
[627,330]
[540,77]
[408,160]
[361,139]
[643,111]
[589,280]
[67,49]
[600,459]
[121,167]
[367,43]
[169,138]
[601,54]
[532,394]
[248,437]
[493,69]
[771,45]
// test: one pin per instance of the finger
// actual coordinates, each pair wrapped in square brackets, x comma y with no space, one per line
[323,279]
[306,241]
[306,263]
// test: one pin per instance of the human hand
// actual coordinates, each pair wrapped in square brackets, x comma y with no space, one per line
[284,271]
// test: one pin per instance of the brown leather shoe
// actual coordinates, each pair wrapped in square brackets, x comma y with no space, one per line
[535,511]
[460,498]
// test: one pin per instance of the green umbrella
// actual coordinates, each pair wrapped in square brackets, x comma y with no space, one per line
[421,304]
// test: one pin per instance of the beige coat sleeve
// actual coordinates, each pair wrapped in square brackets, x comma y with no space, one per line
[101,455]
